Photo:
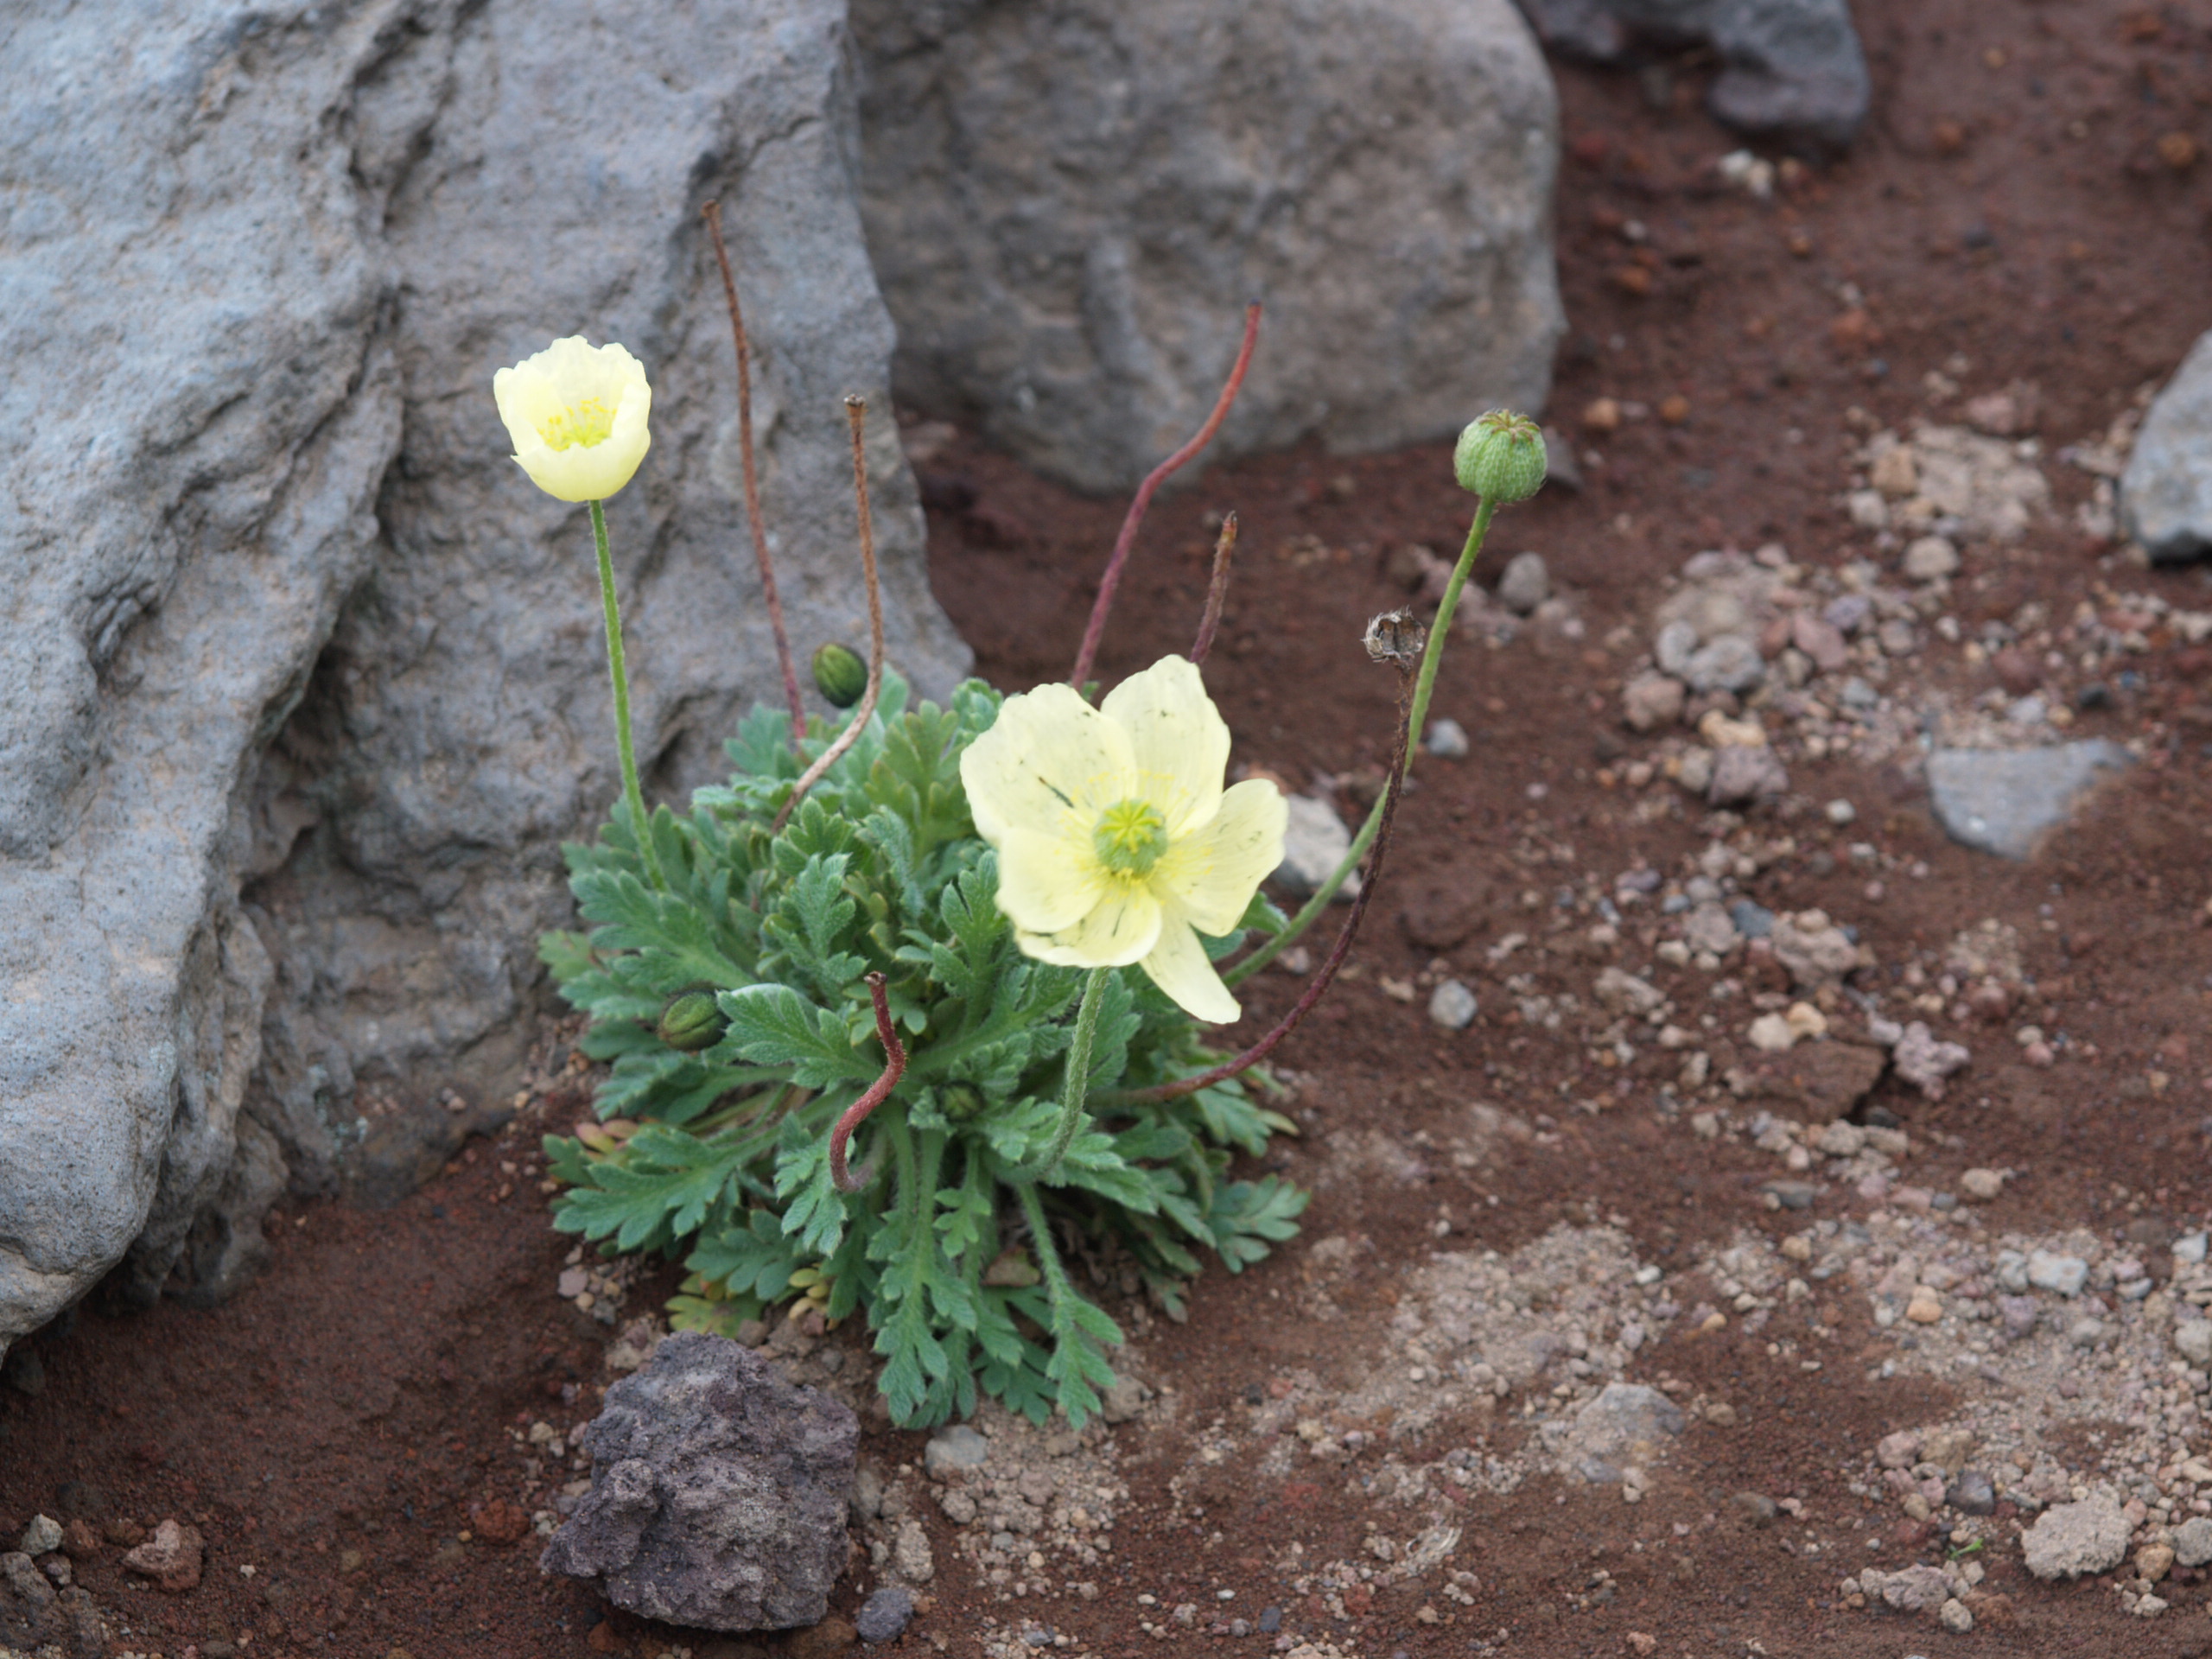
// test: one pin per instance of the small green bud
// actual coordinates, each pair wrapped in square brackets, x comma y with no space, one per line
[692,1020]
[1500,457]
[840,675]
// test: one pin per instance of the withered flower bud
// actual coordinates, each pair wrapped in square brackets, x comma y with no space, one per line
[1395,637]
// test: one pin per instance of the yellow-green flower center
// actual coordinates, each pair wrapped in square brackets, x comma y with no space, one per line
[1130,838]
[588,423]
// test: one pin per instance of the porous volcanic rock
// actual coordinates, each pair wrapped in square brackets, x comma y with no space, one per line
[719,1492]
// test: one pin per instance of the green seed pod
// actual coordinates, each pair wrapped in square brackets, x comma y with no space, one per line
[692,1020]
[1501,458]
[840,675]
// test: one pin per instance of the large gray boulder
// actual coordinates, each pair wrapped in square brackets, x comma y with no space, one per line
[259,266]
[1071,201]
[2165,494]
[719,1492]
[1791,66]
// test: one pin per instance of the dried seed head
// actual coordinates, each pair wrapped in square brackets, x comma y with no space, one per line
[1396,636]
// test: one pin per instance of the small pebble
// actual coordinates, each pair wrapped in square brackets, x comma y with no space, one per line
[884,1616]
[1446,740]
[1452,1006]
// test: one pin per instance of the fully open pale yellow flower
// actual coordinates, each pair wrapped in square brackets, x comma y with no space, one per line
[1116,839]
[577,415]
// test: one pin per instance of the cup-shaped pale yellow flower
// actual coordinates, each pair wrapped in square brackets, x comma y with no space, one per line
[1116,842]
[578,414]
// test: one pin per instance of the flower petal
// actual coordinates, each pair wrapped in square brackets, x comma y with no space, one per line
[1122,929]
[1178,965]
[552,384]
[1210,875]
[1179,738]
[1051,763]
[1047,882]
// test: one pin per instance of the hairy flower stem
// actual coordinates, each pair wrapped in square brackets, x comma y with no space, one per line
[1104,606]
[1224,548]
[1057,1288]
[856,722]
[1077,1086]
[712,212]
[640,826]
[894,1067]
[1387,809]
[1415,717]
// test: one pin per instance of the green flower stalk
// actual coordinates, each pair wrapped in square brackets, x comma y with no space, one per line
[580,416]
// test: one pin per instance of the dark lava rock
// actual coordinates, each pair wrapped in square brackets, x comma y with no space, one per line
[36,1618]
[885,1615]
[719,1492]
[1971,1493]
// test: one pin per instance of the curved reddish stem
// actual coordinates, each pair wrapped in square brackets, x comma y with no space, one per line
[1369,879]
[1159,475]
[894,1067]
[712,212]
[855,420]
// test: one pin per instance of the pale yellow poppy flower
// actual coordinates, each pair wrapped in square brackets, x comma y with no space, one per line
[577,415]
[1116,842]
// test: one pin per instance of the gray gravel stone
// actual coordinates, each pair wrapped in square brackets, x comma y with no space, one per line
[2165,494]
[1744,774]
[1971,1493]
[1731,663]
[1452,1006]
[885,1615]
[2193,1342]
[2003,801]
[1650,701]
[1526,584]
[2071,1538]
[719,1492]
[1789,66]
[1674,647]
[2066,1274]
[2193,1541]
[1070,200]
[955,1446]
[42,1538]
[1919,1589]
[1626,1426]
[1446,740]
[1314,843]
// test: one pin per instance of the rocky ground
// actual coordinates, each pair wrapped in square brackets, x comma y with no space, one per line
[1758,1149]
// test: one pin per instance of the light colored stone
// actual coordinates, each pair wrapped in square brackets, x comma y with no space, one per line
[2071,1538]
[1919,1589]
[1650,701]
[1526,584]
[2165,494]
[1729,662]
[1814,949]
[2193,1342]
[1446,740]
[1770,1033]
[2003,801]
[1452,1006]
[209,531]
[2064,1274]
[911,1555]
[1314,843]
[955,1446]
[1070,200]
[1627,1425]
[2153,1562]
[1744,775]
[1924,1062]
[1982,1185]
[1955,1615]
[1925,1307]
[1929,558]
[2193,1541]
[42,1538]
